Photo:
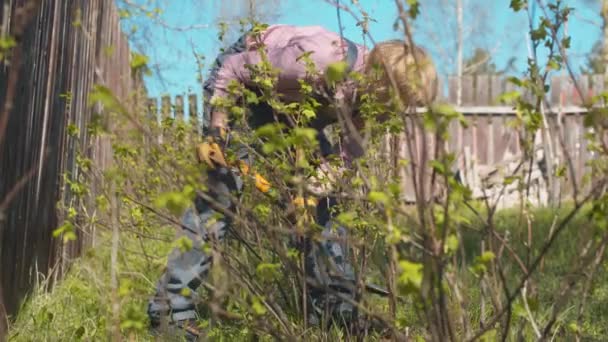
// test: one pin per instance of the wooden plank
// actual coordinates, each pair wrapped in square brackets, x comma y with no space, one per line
[468,134]
[482,97]
[460,139]
[579,146]
[568,92]
[584,85]
[152,109]
[497,88]
[468,91]
[570,137]
[406,174]
[501,140]
[440,91]
[193,109]
[165,107]
[483,139]
[510,87]
[585,155]
[474,136]
[453,137]
[179,107]
[482,90]
[452,90]
[598,85]
[491,140]
[555,91]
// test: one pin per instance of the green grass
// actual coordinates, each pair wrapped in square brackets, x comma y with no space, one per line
[78,308]
[557,267]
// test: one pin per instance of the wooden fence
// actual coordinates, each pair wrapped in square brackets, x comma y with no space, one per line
[66,47]
[488,141]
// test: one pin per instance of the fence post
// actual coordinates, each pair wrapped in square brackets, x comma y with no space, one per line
[152,109]
[452,90]
[151,117]
[483,121]
[193,111]
[468,91]
[179,108]
[165,107]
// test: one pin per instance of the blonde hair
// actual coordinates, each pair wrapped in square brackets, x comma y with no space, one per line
[394,59]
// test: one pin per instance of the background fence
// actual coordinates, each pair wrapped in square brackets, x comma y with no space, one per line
[488,140]
[66,47]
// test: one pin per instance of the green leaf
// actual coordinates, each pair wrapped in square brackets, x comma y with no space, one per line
[480,265]
[347,218]
[102,203]
[251,97]
[184,243]
[124,14]
[71,212]
[410,278]
[72,130]
[305,135]
[257,306]
[517,5]
[67,231]
[268,271]
[486,257]
[262,210]
[552,64]
[451,244]
[66,226]
[378,197]
[429,121]
[509,97]
[510,179]
[538,34]
[394,237]
[309,114]
[516,81]
[414,8]
[489,336]
[438,166]
[175,202]
[336,72]
[7,42]
[573,327]
[138,61]
[269,130]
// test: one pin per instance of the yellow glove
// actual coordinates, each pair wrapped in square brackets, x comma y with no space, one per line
[301,201]
[210,151]
[261,183]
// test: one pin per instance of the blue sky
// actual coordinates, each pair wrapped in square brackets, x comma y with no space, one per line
[185,26]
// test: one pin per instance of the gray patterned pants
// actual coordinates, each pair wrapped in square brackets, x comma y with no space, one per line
[326,262]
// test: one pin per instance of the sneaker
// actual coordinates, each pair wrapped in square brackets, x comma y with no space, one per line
[190,330]
[178,329]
